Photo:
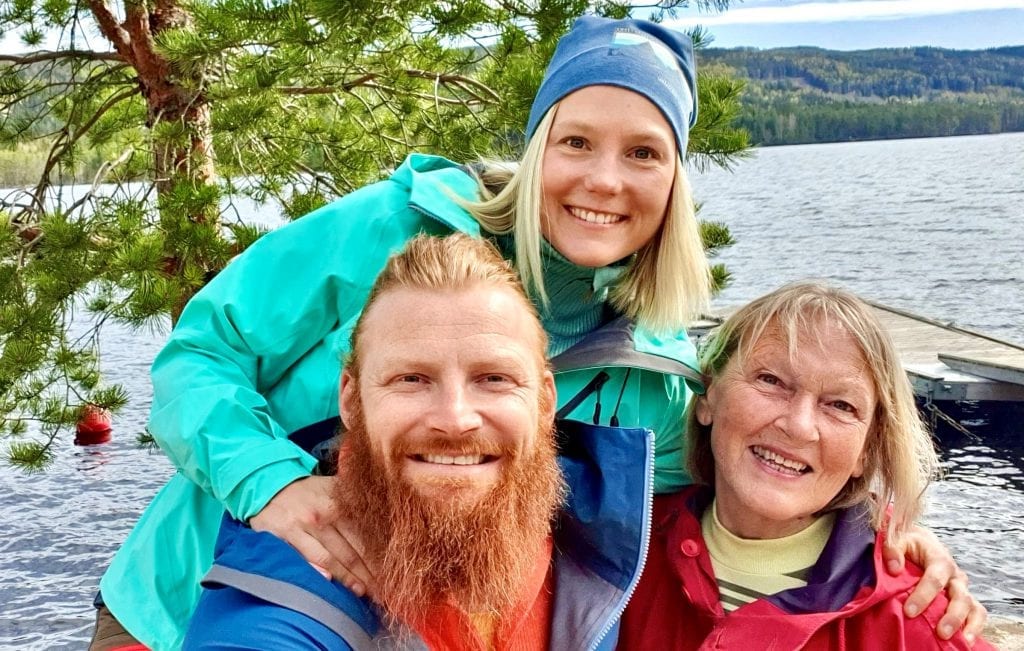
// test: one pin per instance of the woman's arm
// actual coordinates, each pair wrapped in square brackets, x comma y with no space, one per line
[941,572]
[262,322]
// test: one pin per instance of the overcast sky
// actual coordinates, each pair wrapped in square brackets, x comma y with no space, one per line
[845,24]
[863,24]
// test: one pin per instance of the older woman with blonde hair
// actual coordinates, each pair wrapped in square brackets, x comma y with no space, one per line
[808,452]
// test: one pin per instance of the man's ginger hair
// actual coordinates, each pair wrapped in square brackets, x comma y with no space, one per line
[455,262]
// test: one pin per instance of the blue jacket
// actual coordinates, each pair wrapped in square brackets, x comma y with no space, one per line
[261,594]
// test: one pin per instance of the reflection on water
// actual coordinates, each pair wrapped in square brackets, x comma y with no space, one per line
[977,508]
[991,452]
[92,457]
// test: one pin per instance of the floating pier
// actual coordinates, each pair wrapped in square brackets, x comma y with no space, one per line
[947,362]
[943,361]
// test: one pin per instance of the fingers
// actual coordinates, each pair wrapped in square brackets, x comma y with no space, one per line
[893,552]
[976,620]
[344,561]
[319,548]
[941,573]
[963,611]
[929,587]
[304,515]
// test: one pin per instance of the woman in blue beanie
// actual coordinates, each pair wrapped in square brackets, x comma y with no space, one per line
[598,219]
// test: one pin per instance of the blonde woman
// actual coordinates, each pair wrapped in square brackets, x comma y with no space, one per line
[809,453]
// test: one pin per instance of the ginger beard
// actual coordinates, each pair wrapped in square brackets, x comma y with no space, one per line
[472,552]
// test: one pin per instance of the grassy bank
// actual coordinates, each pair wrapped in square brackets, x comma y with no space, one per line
[23,165]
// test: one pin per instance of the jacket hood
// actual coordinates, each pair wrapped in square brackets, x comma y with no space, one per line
[432,182]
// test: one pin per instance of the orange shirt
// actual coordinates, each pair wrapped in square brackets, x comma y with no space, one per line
[526,629]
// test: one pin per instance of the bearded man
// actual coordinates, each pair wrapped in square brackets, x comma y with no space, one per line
[448,473]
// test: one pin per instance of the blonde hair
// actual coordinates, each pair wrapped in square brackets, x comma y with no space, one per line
[899,458]
[667,282]
[455,262]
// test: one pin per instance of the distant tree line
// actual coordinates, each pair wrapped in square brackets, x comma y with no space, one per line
[803,95]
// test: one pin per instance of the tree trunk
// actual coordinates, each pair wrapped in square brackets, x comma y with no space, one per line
[170,98]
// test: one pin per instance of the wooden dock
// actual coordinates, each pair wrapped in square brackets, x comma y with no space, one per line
[943,361]
[946,362]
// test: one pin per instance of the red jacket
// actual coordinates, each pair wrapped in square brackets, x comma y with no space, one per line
[850,601]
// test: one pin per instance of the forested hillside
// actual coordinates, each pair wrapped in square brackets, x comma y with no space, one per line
[800,95]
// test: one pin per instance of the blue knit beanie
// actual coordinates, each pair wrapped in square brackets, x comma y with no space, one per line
[638,55]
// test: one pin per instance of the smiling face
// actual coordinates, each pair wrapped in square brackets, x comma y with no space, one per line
[452,386]
[787,431]
[608,168]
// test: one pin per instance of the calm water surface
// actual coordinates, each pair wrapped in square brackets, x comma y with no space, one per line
[931,226]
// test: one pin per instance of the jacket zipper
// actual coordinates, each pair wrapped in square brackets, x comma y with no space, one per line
[645,540]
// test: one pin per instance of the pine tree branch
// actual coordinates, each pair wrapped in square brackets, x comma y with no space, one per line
[151,66]
[36,57]
[110,28]
[99,179]
[311,90]
[331,90]
[459,80]
[112,101]
[368,81]
[60,86]
[60,148]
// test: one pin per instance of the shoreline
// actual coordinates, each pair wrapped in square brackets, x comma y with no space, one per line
[1005,632]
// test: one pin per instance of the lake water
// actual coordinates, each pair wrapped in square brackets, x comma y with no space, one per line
[931,226]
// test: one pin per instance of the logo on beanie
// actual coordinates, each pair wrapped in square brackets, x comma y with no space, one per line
[625,38]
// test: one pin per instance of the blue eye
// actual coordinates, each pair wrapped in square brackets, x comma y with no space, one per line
[768,378]
[842,405]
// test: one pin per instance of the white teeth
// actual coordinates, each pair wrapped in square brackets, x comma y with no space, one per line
[595,217]
[462,460]
[779,460]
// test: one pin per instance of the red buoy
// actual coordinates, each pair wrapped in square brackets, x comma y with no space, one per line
[93,425]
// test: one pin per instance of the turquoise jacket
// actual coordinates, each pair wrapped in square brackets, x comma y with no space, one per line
[256,355]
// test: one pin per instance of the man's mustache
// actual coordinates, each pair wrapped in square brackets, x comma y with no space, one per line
[446,446]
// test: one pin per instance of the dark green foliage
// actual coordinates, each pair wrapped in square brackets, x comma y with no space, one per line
[802,95]
[716,236]
[287,102]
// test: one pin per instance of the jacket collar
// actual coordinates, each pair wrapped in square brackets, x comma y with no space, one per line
[623,343]
[845,566]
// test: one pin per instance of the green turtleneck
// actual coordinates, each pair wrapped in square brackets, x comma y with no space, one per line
[577,296]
